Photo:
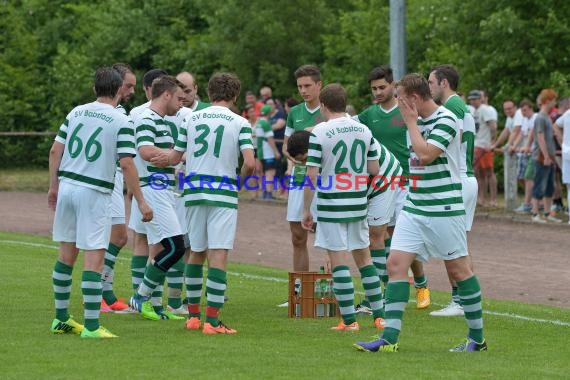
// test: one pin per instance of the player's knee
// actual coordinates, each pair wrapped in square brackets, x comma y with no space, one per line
[173,250]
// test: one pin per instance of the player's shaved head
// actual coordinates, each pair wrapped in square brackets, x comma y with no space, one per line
[187,78]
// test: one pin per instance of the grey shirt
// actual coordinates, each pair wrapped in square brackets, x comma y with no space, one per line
[542,124]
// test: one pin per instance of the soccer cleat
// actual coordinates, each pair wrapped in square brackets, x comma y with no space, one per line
[375,346]
[469,345]
[451,310]
[380,323]
[119,307]
[143,306]
[423,299]
[165,314]
[182,310]
[101,332]
[362,309]
[104,307]
[59,327]
[342,327]
[193,323]
[219,329]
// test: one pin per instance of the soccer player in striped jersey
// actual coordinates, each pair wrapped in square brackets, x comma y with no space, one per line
[432,222]
[303,116]
[386,124]
[164,233]
[119,235]
[267,151]
[82,165]
[342,147]
[443,81]
[212,139]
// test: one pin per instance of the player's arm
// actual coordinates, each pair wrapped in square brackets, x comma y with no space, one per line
[55,155]
[425,152]
[279,124]
[514,138]
[526,148]
[372,163]
[502,137]
[132,180]
[248,166]
[308,195]
[492,124]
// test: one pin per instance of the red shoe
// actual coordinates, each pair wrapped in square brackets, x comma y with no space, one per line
[342,327]
[119,307]
[380,323]
[104,307]
[193,323]
[219,329]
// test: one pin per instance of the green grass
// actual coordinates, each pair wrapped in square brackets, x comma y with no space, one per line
[268,344]
[30,180]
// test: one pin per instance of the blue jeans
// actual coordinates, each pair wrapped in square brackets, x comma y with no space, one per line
[543,181]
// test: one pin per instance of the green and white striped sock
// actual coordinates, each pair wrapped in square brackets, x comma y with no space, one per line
[379,260]
[344,292]
[371,284]
[138,266]
[153,278]
[455,295]
[108,273]
[92,290]
[470,294]
[215,290]
[193,277]
[420,282]
[175,279]
[397,297]
[61,278]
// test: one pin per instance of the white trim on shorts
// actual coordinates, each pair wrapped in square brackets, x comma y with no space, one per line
[212,227]
[342,236]
[427,236]
[82,216]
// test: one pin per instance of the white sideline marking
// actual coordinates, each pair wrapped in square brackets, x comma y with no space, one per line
[282,280]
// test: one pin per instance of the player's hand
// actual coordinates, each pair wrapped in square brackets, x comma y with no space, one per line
[307,222]
[277,155]
[408,111]
[146,212]
[161,160]
[287,156]
[52,198]
[547,161]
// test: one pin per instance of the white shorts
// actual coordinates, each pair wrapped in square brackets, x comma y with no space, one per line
[566,169]
[469,190]
[83,216]
[427,236]
[342,236]
[118,200]
[181,210]
[399,200]
[295,205]
[381,208]
[212,227]
[164,223]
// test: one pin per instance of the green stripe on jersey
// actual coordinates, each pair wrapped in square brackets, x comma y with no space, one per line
[88,180]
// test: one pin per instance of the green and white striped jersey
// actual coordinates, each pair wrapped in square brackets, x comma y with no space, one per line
[437,190]
[341,148]
[94,135]
[263,131]
[153,130]
[212,139]
[467,123]
[390,175]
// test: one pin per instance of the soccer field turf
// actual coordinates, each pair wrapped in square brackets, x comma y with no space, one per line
[524,340]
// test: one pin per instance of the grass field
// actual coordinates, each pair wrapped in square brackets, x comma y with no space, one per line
[268,344]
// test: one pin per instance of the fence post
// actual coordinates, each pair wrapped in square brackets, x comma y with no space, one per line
[510,183]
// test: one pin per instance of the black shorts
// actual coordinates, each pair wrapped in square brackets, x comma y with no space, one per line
[269,164]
